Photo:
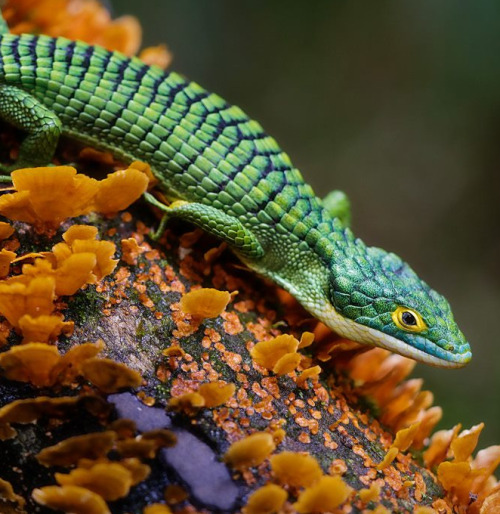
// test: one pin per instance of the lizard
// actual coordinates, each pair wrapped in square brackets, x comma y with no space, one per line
[221,172]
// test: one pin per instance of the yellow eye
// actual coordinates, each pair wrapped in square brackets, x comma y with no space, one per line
[408,319]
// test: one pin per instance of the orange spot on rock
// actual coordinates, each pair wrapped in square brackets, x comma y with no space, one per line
[130,251]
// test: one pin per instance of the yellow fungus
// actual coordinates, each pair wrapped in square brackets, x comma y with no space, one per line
[156,55]
[54,194]
[119,190]
[250,451]
[491,504]
[108,375]
[32,362]
[287,363]
[91,22]
[44,328]
[306,339]
[6,230]
[268,499]
[34,296]
[389,457]
[139,471]
[295,469]
[465,443]
[70,498]
[175,494]
[205,303]
[173,351]
[312,372]
[189,403]
[7,493]
[157,508]
[216,393]
[404,437]
[79,232]
[6,257]
[71,450]
[70,275]
[136,448]
[279,435]
[452,474]
[371,494]
[70,364]
[324,496]
[268,353]
[108,479]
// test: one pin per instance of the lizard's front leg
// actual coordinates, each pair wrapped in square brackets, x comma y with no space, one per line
[338,205]
[213,221]
[43,127]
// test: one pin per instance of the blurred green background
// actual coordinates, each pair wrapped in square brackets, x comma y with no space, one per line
[398,104]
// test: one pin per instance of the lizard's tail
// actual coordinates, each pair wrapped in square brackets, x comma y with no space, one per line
[4,29]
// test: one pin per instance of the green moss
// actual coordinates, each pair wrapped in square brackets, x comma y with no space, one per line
[85,307]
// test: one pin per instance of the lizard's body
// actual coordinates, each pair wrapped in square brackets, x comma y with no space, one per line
[233,179]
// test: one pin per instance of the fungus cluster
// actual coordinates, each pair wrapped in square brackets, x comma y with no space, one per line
[280,355]
[83,20]
[95,479]
[45,197]
[298,474]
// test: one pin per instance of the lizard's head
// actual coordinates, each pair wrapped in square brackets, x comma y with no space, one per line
[378,299]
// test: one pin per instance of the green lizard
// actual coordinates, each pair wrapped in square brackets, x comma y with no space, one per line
[227,176]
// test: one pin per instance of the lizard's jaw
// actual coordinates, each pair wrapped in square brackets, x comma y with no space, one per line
[370,336]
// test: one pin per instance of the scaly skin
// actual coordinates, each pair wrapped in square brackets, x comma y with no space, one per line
[227,176]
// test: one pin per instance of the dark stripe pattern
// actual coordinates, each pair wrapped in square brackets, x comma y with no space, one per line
[196,143]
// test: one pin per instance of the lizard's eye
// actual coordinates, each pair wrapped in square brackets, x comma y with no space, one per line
[408,319]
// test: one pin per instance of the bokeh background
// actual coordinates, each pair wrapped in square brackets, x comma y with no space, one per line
[398,104]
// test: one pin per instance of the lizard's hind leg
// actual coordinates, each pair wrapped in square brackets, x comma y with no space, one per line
[211,220]
[43,127]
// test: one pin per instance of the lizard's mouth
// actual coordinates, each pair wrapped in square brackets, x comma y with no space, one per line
[423,350]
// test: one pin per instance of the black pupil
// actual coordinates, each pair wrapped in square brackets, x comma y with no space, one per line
[409,318]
